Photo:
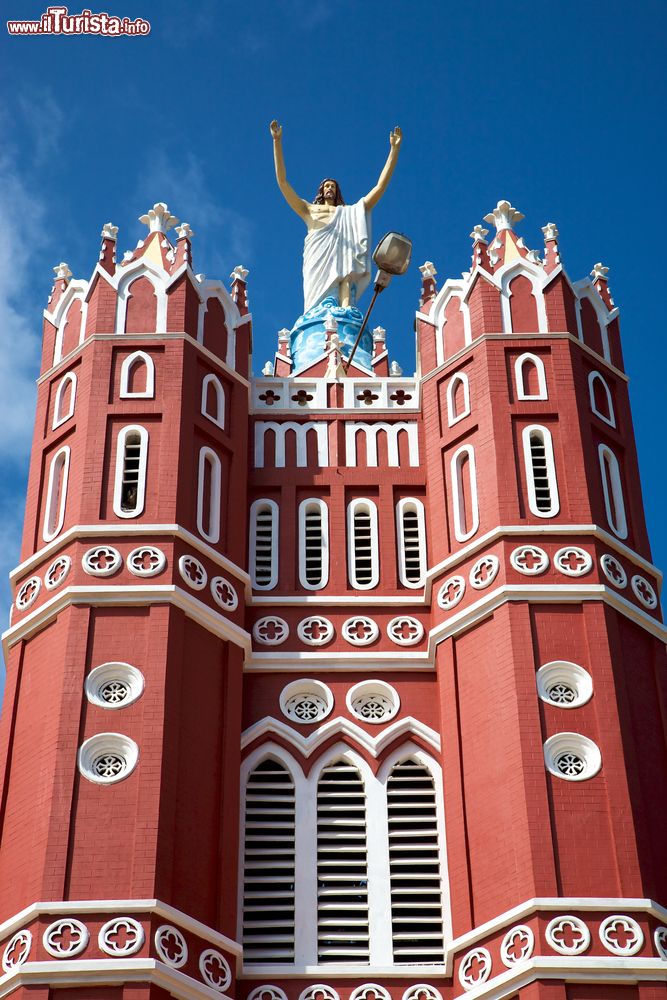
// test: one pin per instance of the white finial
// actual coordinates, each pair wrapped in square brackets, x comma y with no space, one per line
[158,218]
[184,232]
[395,369]
[239,273]
[379,335]
[268,368]
[201,278]
[504,216]
[550,231]
[428,269]
[128,255]
[283,335]
[109,231]
[330,323]
[62,270]
[599,272]
[478,233]
[534,257]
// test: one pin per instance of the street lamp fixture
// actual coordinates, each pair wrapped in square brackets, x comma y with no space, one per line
[392,256]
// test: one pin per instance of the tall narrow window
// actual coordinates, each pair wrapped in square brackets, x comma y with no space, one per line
[416,902]
[458,398]
[411,538]
[464,493]
[538,456]
[363,564]
[531,379]
[137,376]
[342,876]
[313,544]
[208,495]
[63,406]
[264,544]
[131,459]
[612,490]
[56,494]
[213,400]
[269,866]
[600,397]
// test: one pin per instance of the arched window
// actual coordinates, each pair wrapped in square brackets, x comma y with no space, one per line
[269,865]
[208,495]
[411,538]
[137,376]
[363,564]
[131,459]
[342,866]
[464,493]
[612,489]
[213,400]
[414,861]
[530,377]
[313,544]
[56,494]
[264,544]
[600,397]
[538,453]
[63,406]
[458,398]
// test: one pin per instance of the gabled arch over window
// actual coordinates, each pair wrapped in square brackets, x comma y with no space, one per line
[313,544]
[213,400]
[600,397]
[56,494]
[264,524]
[363,563]
[208,495]
[538,453]
[63,406]
[458,398]
[612,489]
[411,540]
[131,461]
[530,377]
[137,376]
[464,493]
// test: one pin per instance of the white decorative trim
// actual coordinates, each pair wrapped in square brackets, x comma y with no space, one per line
[123,675]
[556,928]
[267,992]
[397,627]
[483,959]
[609,927]
[142,268]
[75,292]
[69,378]
[193,572]
[420,990]
[208,457]
[28,593]
[612,491]
[224,594]
[445,601]
[614,571]
[256,509]
[584,561]
[371,432]
[315,631]
[271,630]
[458,378]
[660,942]
[586,759]
[340,726]
[535,360]
[369,629]
[217,981]
[137,558]
[219,417]
[562,673]
[306,701]
[644,592]
[56,494]
[134,936]
[130,362]
[161,945]
[407,505]
[21,942]
[102,560]
[462,529]
[317,990]
[594,377]
[122,754]
[301,431]
[79,937]
[368,991]
[57,572]
[547,442]
[520,555]
[361,503]
[121,444]
[304,508]
[373,701]
[484,572]
[525,936]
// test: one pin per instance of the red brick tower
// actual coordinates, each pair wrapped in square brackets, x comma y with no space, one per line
[401,632]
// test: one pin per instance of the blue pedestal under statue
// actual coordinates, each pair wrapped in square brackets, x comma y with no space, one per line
[308,336]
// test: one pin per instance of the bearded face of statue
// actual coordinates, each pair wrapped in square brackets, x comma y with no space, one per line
[328,193]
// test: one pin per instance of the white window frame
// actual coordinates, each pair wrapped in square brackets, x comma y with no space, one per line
[536,360]
[551,470]
[612,490]
[411,503]
[59,418]
[324,514]
[208,456]
[594,377]
[460,533]
[275,545]
[452,416]
[219,418]
[138,357]
[120,464]
[352,507]
[58,473]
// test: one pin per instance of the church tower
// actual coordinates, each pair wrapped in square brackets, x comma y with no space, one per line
[333,683]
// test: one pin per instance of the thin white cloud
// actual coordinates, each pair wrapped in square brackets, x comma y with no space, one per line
[44,120]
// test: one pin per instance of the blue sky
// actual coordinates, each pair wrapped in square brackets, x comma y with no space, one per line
[559,108]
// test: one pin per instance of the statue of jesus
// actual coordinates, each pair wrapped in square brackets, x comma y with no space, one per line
[336,258]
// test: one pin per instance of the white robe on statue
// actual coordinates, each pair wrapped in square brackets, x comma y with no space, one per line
[339,250]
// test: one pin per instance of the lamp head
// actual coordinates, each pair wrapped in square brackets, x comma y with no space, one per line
[392,254]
